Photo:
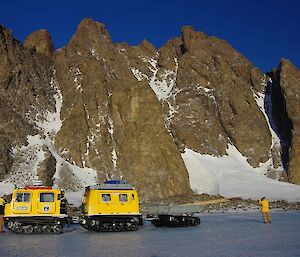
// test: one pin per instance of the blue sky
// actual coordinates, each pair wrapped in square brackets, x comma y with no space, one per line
[262,30]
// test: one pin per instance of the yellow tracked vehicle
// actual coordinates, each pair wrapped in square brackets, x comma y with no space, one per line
[35,209]
[111,206]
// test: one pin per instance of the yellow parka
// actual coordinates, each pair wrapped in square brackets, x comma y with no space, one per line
[2,202]
[264,205]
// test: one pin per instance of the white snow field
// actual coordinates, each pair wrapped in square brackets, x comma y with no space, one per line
[232,176]
[218,235]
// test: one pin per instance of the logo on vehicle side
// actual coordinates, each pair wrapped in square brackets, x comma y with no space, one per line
[46,208]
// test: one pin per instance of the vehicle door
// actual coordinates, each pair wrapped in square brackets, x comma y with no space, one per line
[22,203]
[46,203]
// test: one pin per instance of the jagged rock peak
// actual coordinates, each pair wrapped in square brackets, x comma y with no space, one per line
[187,28]
[4,30]
[189,37]
[146,45]
[187,32]
[286,94]
[93,29]
[41,42]
[287,63]
[6,38]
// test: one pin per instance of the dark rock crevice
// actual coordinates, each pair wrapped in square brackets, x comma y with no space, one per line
[287,78]
[282,124]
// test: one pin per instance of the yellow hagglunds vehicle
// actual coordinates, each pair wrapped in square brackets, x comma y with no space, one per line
[111,206]
[37,209]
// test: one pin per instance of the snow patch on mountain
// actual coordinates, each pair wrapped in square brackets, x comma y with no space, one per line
[138,74]
[264,102]
[27,158]
[6,188]
[51,122]
[77,78]
[234,177]
[94,53]
[162,83]
[114,157]
[26,161]
[69,176]
[201,181]
[162,80]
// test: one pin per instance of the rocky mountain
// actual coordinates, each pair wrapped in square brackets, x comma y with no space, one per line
[285,90]
[95,109]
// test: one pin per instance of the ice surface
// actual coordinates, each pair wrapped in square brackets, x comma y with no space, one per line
[218,235]
[235,177]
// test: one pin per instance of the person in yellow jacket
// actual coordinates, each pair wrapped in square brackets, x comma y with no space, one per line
[2,203]
[264,203]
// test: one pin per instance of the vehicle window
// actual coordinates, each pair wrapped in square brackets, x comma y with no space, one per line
[132,197]
[23,197]
[106,198]
[123,198]
[46,197]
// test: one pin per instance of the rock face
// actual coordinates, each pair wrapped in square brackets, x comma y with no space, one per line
[208,91]
[41,42]
[112,123]
[23,95]
[95,110]
[286,93]
[47,169]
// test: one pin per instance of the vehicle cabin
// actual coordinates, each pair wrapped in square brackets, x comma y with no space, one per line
[111,198]
[34,201]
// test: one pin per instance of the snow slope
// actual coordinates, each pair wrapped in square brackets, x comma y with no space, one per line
[232,176]
[6,188]
[229,176]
